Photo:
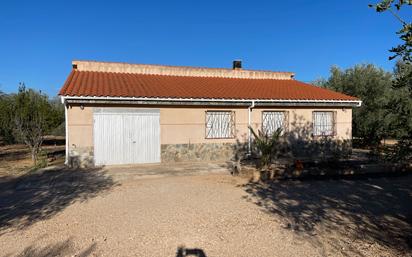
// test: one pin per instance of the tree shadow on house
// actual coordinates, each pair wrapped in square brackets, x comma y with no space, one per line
[342,213]
[40,195]
[300,142]
[297,142]
[65,248]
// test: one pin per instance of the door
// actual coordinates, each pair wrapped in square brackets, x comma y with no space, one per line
[126,136]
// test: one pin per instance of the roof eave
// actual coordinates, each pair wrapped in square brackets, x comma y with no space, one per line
[209,101]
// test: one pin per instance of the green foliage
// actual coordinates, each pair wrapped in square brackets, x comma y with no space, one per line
[42,161]
[401,103]
[401,152]
[6,117]
[266,144]
[55,117]
[59,130]
[373,86]
[18,111]
[34,115]
[31,118]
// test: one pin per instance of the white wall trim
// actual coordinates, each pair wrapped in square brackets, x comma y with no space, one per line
[66,125]
[358,103]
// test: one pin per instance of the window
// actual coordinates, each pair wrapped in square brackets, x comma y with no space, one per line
[220,124]
[324,123]
[273,120]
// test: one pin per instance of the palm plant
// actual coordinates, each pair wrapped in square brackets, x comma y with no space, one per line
[266,144]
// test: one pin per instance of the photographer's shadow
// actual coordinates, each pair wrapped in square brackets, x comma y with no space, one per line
[189,252]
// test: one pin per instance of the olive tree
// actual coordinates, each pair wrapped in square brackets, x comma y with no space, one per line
[6,117]
[401,104]
[31,110]
[373,86]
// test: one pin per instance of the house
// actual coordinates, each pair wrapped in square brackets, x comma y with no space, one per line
[120,113]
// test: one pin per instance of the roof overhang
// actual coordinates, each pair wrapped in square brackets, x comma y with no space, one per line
[201,101]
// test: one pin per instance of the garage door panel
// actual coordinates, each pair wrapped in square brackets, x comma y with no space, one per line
[108,142]
[126,136]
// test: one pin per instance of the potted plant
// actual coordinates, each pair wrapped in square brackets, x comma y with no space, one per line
[266,145]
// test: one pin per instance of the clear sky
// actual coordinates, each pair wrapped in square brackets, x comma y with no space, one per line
[39,39]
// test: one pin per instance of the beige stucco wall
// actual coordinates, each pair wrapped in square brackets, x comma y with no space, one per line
[184,125]
[187,125]
[80,126]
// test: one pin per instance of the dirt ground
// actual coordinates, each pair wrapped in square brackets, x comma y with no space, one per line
[15,159]
[114,212]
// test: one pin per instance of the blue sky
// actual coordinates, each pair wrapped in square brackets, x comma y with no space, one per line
[39,39]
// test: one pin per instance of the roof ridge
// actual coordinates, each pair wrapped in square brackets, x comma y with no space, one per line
[181,66]
[118,67]
[166,75]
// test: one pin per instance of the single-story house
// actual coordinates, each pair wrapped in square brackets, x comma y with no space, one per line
[120,113]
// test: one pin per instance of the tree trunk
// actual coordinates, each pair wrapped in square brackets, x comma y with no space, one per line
[34,155]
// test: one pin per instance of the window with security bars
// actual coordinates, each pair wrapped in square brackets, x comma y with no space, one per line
[324,123]
[220,124]
[274,120]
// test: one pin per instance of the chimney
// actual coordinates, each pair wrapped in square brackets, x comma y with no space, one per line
[237,64]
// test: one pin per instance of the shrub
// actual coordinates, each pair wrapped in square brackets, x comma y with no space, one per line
[266,144]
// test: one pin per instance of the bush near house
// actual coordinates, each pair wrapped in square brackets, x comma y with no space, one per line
[267,145]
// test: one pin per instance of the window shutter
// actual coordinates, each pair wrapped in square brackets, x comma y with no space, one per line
[335,123]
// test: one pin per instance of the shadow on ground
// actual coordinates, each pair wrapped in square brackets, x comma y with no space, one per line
[65,248]
[189,252]
[349,212]
[40,195]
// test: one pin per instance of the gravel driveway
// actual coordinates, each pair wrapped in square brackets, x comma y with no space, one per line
[116,213]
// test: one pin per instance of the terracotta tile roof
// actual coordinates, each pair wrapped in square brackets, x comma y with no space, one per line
[116,84]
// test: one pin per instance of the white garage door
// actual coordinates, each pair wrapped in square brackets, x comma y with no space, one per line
[126,136]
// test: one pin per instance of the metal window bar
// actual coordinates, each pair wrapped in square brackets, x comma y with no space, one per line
[220,124]
[323,123]
[273,120]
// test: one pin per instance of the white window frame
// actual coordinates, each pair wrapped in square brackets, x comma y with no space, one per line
[272,120]
[324,123]
[219,124]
